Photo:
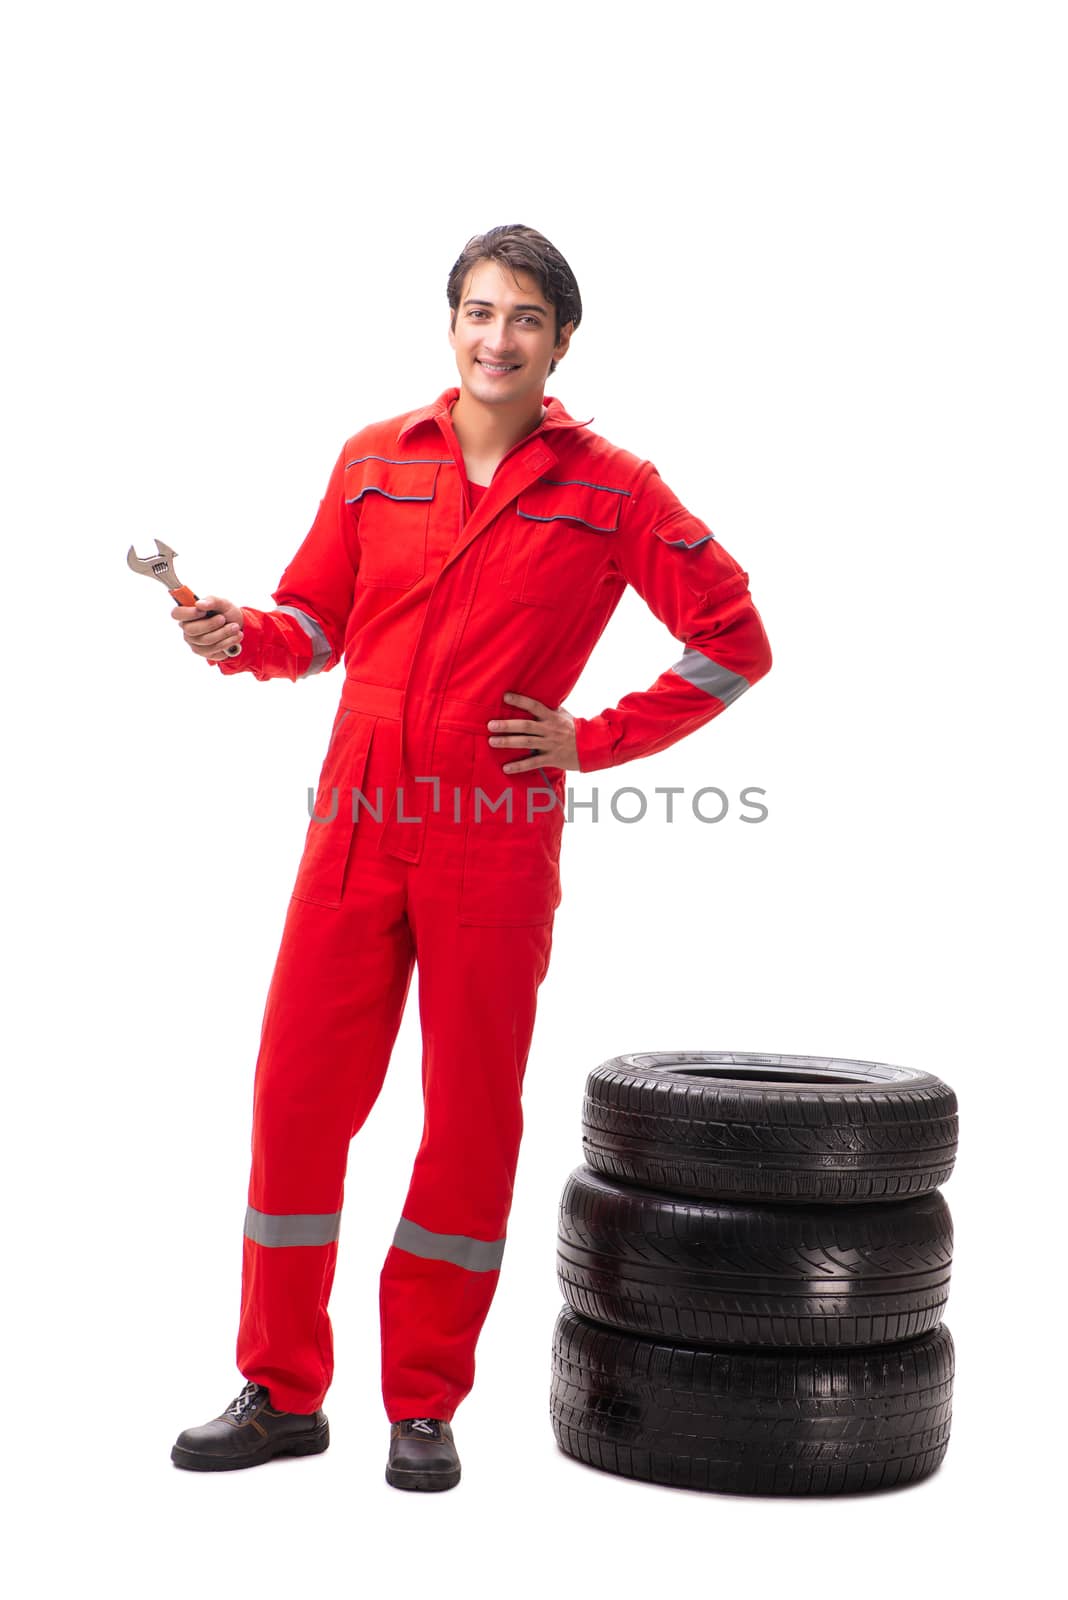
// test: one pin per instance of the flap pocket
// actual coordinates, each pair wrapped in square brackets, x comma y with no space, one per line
[395,480]
[683,531]
[393,501]
[561,539]
[573,500]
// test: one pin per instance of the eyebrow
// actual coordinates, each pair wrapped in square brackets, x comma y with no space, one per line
[543,309]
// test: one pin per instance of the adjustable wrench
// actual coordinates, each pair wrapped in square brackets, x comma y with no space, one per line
[162,567]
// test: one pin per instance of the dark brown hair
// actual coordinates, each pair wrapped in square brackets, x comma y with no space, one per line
[524,250]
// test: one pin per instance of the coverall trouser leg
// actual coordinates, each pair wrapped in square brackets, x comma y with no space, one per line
[333,1010]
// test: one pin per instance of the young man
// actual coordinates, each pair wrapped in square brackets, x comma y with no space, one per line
[464,562]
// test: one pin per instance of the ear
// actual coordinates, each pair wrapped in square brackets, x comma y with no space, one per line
[565,339]
[452,320]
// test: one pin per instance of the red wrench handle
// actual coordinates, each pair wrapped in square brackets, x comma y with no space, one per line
[184,596]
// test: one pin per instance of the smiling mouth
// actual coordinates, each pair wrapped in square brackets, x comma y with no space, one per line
[497,367]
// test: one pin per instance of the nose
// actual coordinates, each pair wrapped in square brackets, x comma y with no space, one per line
[496,342]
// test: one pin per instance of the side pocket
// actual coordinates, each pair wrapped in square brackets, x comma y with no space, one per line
[511,870]
[321,874]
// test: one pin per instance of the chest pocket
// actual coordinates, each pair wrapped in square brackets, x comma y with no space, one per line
[561,537]
[394,500]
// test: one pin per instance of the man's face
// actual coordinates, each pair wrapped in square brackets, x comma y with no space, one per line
[504,321]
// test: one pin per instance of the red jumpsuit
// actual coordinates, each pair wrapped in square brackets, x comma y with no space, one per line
[439,606]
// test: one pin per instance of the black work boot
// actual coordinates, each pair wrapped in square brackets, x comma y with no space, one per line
[422,1455]
[249,1431]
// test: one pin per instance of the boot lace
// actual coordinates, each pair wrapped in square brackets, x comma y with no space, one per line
[425,1425]
[244,1402]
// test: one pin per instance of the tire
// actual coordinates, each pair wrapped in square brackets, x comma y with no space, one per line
[729,1125]
[716,1273]
[743,1422]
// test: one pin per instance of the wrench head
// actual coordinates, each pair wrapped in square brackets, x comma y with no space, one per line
[160,566]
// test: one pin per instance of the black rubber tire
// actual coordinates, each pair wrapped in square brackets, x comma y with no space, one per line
[747,1422]
[712,1272]
[730,1125]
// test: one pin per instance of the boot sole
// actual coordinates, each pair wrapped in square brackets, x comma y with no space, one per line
[309,1444]
[412,1478]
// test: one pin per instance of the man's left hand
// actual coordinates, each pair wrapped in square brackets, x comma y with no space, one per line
[550,733]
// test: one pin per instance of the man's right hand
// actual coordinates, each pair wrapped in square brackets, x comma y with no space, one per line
[208,636]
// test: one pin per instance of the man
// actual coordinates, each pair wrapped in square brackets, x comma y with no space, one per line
[464,561]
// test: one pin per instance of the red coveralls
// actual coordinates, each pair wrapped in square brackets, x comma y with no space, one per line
[438,610]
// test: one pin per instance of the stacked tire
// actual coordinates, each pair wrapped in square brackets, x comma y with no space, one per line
[756,1258]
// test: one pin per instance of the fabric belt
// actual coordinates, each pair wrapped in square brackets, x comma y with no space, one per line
[382,700]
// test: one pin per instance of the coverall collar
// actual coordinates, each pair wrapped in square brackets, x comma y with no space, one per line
[555,415]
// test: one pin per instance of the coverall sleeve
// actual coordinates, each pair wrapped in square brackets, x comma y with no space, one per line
[698,590]
[306,631]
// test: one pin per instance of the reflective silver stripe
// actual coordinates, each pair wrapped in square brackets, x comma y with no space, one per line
[404,461]
[568,516]
[320,643]
[607,487]
[313,1227]
[477,1255]
[710,676]
[372,488]
[680,544]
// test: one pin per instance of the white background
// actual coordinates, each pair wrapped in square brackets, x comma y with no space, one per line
[821,256]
